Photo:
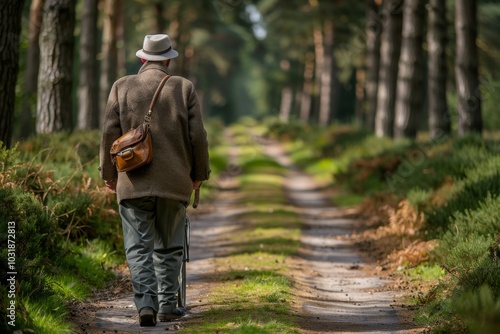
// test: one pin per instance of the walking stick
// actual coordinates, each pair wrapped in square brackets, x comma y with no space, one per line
[196,197]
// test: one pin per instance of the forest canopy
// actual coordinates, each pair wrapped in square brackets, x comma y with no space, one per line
[391,66]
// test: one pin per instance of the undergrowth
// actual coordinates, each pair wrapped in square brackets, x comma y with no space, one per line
[50,190]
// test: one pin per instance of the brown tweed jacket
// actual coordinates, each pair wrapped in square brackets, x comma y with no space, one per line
[180,147]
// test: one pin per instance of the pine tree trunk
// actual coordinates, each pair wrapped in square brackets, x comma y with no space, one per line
[318,62]
[55,81]
[121,56]
[109,52]
[360,96]
[28,117]
[439,119]
[305,99]
[181,42]
[88,90]
[174,31]
[286,103]
[373,32]
[10,31]
[466,68]
[326,81]
[159,20]
[409,106]
[390,48]
[286,94]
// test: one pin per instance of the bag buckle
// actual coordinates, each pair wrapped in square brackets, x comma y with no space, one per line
[124,152]
[147,118]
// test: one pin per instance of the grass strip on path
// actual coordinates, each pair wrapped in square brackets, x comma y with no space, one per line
[252,293]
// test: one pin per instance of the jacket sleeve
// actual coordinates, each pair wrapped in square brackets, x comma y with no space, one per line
[110,132]
[198,137]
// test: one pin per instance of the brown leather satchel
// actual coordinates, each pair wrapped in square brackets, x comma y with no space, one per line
[134,149]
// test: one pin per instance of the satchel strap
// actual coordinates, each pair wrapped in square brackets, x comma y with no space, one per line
[147,118]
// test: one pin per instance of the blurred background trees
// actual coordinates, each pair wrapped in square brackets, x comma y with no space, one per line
[395,67]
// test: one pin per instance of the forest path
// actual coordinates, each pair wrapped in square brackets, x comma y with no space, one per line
[334,290]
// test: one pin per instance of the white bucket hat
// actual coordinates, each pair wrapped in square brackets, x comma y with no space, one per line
[157,48]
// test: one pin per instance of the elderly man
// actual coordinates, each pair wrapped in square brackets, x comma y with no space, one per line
[153,199]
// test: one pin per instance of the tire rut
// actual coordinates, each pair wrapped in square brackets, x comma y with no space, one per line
[336,292]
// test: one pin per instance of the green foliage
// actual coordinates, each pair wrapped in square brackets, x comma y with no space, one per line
[481,221]
[91,261]
[262,164]
[48,191]
[37,237]
[419,198]
[49,314]
[292,130]
[470,250]
[479,310]
[478,183]
[426,272]
[36,242]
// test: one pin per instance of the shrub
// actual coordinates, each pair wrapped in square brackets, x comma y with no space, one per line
[37,244]
[46,188]
[478,182]
[37,236]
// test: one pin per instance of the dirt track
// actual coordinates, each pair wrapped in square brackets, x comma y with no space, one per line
[338,293]
[335,292]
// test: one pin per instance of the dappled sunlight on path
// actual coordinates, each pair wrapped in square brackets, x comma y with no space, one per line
[336,292]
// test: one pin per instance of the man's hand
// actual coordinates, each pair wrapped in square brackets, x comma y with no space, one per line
[111,184]
[197,184]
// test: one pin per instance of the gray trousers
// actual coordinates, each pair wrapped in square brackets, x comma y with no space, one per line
[153,234]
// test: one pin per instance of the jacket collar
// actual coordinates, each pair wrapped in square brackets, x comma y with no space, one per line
[153,65]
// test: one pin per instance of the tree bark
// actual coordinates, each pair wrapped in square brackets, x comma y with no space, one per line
[466,68]
[159,20]
[286,94]
[390,48]
[88,90]
[409,106]
[325,102]
[439,119]
[305,99]
[373,30]
[28,117]
[10,31]
[286,103]
[360,96]
[180,29]
[121,56]
[109,53]
[55,81]
[319,54]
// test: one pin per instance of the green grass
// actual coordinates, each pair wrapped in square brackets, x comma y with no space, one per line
[49,315]
[426,272]
[253,297]
[69,287]
[347,199]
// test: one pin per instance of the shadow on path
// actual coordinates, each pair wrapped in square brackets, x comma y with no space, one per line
[338,293]
[335,292]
